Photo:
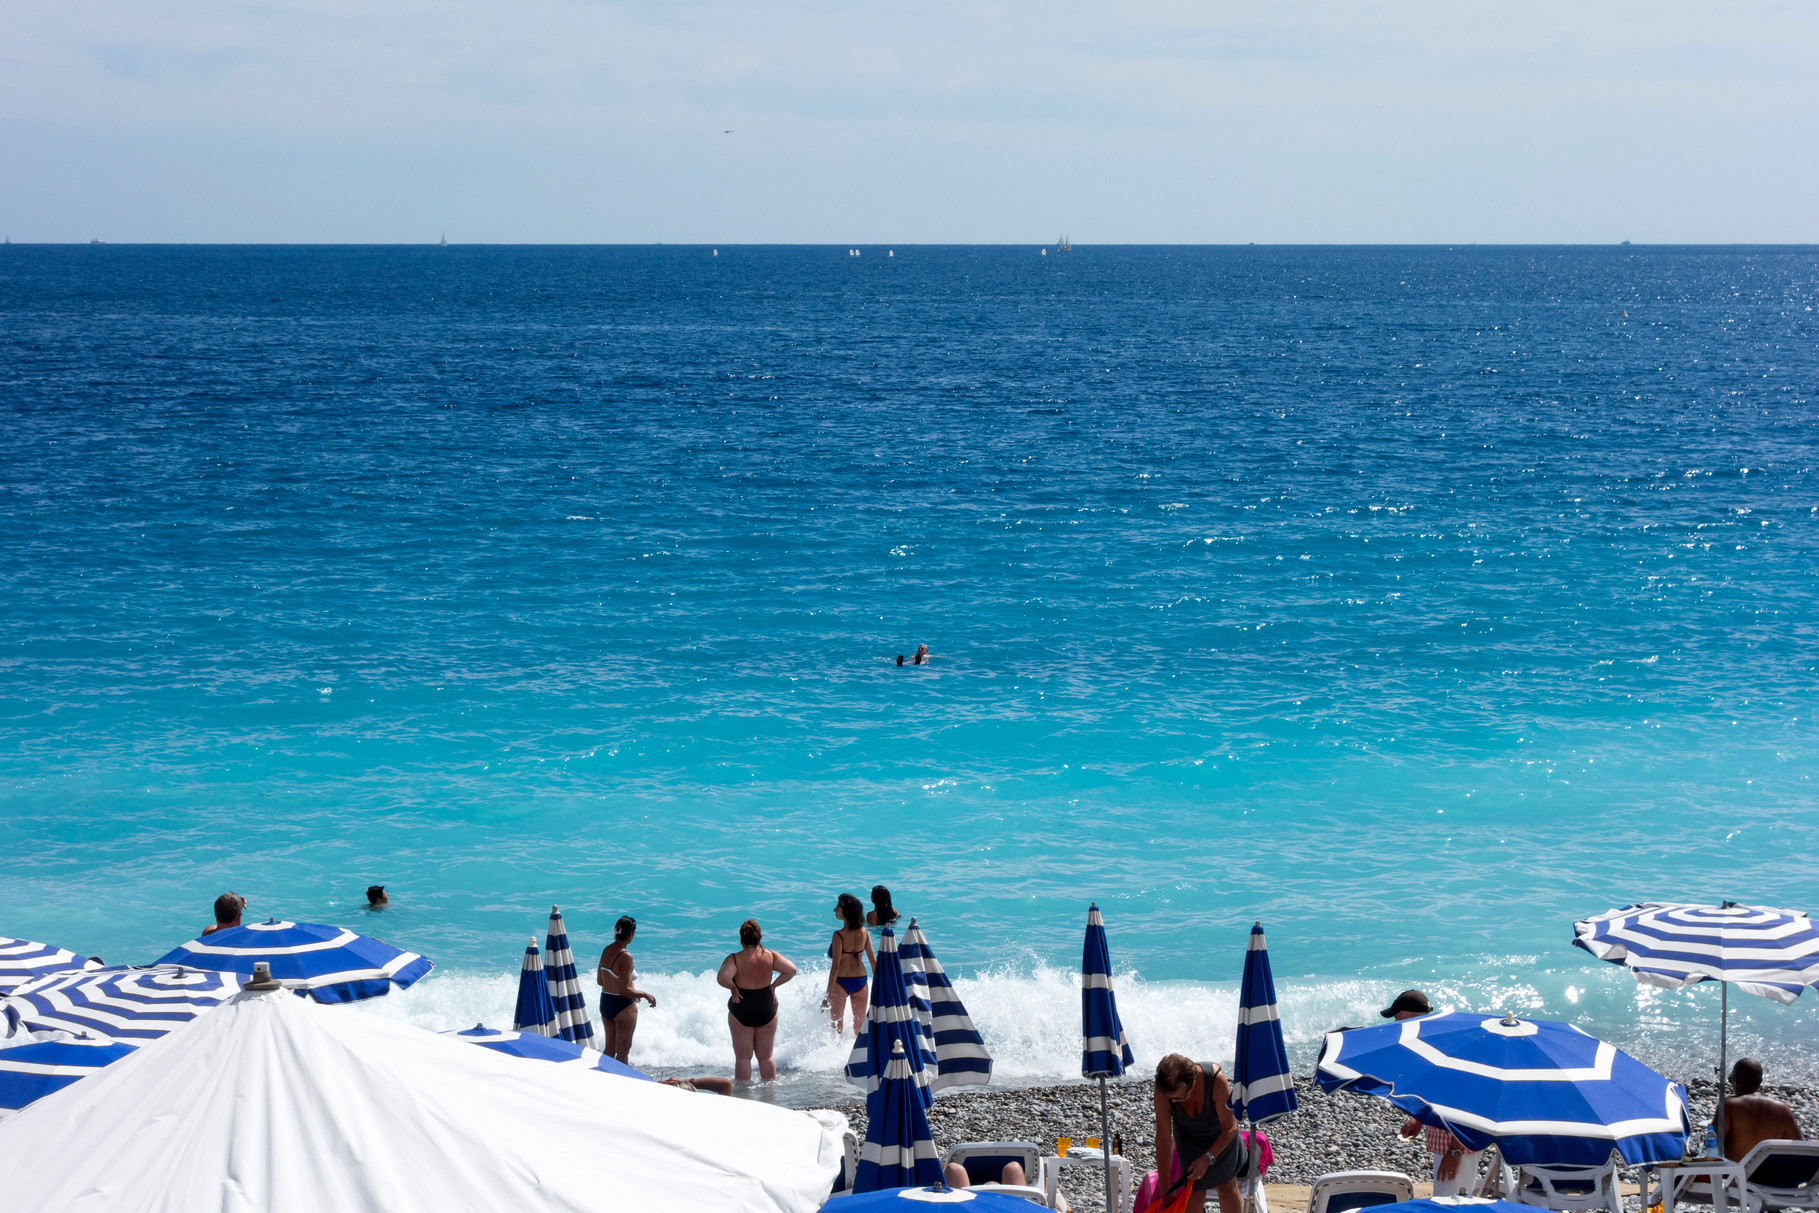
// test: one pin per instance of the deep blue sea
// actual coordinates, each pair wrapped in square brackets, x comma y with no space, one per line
[1411,601]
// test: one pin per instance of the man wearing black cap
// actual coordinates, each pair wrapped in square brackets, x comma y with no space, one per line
[1455,1167]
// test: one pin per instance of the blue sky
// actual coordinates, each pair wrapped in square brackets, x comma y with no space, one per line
[908,121]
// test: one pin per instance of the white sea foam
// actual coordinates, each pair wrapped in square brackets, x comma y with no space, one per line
[1030,1017]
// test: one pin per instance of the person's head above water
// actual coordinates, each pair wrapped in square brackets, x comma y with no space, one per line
[1746,1076]
[1408,1005]
[375,895]
[227,909]
[851,911]
[624,929]
[883,912]
[921,653]
[750,933]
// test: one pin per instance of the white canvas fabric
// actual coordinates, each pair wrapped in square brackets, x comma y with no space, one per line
[277,1104]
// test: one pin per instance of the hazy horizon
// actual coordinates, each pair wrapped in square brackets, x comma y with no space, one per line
[1156,122]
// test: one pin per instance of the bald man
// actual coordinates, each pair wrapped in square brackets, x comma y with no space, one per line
[1750,1118]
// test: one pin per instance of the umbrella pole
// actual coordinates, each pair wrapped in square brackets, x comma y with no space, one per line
[1724,1038]
[1105,1143]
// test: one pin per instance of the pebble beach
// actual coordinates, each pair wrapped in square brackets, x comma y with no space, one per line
[1340,1132]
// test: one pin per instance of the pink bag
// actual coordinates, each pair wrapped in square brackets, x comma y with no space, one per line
[1150,1191]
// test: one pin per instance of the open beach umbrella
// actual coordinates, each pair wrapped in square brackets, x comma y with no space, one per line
[330,964]
[1454,1204]
[888,1020]
[1262,1088]
[572,1021]
[1545,1093]
[545,1048]
[30,1071]
[950,1042]
[899,1150]
[1774,953]
[918,1200]
[1105,1053]
[21,961]
[536,1010]
[133,1005]
[276,1103]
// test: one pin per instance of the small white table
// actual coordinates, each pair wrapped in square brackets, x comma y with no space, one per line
[1087,1156]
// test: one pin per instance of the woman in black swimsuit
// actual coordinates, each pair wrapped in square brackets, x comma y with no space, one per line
[752,1007]
[1195,1125]
[619,994]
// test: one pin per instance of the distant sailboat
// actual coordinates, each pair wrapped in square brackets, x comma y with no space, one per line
[443,243]
[1064,245]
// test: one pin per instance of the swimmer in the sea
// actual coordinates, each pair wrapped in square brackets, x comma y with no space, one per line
[922,654]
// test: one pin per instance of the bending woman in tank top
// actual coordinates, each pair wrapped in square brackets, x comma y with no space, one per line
[752,1006]
[1194,1125]
[619,994]
[850,952]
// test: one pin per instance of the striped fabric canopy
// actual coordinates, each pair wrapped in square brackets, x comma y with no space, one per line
[32,1071]
[1774,953]
[888,1020]
[951,1046]
[330,964]
[545,1048]
[917,1200]
[536,1010]
[899,1150]
[124,1004]
[1262,1086]
[572,1020]
[1545,1093]
[1106,1052]
[21,961]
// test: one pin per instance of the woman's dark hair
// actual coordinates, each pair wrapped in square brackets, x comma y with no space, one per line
[1174,1072]
[852,911]
[881,905]
[625,928]
[750,932]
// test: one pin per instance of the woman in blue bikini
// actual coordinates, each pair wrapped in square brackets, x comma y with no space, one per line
[850,951]
[618,995]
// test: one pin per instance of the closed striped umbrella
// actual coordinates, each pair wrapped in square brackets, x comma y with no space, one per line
[899,1150]
[572,1021]
[536,1010]
[22,960]
[124,1004]
[1774,953]
[1546,1093]
[888,1021]
[545,1048]
[31,1071]
[951,1045]
[1262,1086]
[330,964]
[1105,1052]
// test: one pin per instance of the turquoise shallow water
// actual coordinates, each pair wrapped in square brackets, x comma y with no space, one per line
[1412,601]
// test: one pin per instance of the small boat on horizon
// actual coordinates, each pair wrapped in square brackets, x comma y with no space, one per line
[1064,245]
[443,243]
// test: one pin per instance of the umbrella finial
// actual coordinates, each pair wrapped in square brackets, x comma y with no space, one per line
[262,978]
[1509,1019]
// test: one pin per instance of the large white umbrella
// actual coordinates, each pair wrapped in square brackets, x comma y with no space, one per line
[276,1103]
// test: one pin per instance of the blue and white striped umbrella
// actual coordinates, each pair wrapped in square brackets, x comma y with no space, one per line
[1546,1093]
[1106,1053]
[1774,953]
[572,1021]
[888,1020]
[899,1150]
[917,1200]
[1262,1086]
[536,1010]
[32,1071]
[330,964]
[124,1004]
[21,961]
[545,1048]
[951,1046]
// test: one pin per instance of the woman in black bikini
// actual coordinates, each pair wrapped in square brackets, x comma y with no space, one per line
[618,995]
[752,1008]
[850,951]
[1195,1125]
